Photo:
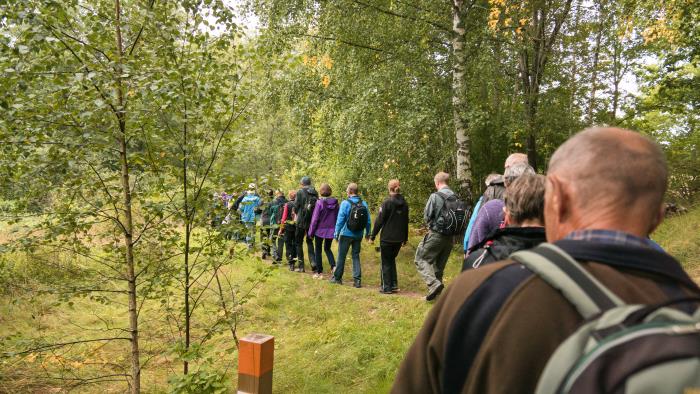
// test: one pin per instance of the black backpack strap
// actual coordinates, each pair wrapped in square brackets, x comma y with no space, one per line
[562,272]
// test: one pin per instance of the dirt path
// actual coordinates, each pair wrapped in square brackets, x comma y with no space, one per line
[325,277]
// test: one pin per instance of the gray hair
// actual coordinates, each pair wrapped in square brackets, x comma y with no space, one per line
[515,171]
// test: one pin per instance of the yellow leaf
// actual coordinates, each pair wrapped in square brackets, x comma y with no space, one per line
[326,81]
[327,61]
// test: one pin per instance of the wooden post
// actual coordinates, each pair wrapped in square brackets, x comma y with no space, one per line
[255,360]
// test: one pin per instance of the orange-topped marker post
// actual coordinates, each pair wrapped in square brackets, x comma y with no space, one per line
[256,355]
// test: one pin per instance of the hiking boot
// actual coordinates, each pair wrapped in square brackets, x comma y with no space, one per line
[291,267]
[335,281]
[382,291]
[434,292]
[357,284]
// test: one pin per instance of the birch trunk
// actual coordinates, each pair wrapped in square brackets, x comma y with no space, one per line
[459,96]
[128,228]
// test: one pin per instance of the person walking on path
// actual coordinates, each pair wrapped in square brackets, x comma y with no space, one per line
[434,249]
[490,216]
[322,228]
[288,229]
[392,221]
[524,224]
[276,208]
[266,224]
[304,206]
[248,207]
[353,221]
[494,190]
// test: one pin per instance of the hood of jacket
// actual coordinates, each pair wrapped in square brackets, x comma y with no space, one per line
[330,203]
[310,189]
[281,200]
[397,200]
[512,239]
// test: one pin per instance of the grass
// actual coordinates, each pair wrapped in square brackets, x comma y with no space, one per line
[680,236]
[327,338]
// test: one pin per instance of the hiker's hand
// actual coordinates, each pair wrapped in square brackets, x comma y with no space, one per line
[404,243]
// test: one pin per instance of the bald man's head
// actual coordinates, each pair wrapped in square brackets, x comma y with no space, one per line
[515,158]
[612,170]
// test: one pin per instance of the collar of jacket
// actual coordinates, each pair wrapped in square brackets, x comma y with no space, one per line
[628,257]
[530,232]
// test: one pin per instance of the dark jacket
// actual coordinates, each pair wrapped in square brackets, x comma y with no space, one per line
[392,220]
[300,202]
[324,217]
[494,328]
[502,243]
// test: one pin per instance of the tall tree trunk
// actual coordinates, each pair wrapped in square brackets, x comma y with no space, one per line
[128,229]
[532,61]
[459,97]
[594,71]
[618,72]
[188,231]
[574,63]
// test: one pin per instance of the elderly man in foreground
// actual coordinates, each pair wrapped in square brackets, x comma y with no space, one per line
[495,328]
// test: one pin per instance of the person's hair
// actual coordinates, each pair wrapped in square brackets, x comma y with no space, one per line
[305,181]
[493,192]
[279,193]
[611,167]
[515,171]
[325,190]
[394,186]
[441,177]
[352,188]
[492,177]
[516,158]
[524,199]
[292,194]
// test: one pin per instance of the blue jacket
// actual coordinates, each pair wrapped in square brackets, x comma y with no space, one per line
[247,207]
[471,224]
[341,225]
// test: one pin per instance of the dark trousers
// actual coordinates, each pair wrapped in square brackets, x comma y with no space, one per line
[326,245]
[300,235]
[344,244]
[265,239]
[277,245]
[290,243]
[389,251]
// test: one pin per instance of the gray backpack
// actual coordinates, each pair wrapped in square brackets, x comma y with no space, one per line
[619,348]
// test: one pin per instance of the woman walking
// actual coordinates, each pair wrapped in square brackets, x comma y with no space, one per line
[392,221]
[322,228]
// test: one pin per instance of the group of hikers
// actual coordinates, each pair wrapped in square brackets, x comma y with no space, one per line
[561,289]
[501,223]
[315,218]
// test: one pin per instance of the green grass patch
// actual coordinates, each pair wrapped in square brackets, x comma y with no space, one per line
[680,236]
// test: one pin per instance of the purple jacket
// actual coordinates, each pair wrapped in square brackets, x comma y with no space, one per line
[324,217]
[488,220]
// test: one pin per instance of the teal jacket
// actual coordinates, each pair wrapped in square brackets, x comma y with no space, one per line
[341,224]
[247,207]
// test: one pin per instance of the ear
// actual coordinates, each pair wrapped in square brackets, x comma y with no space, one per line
[656,221]
[507,220]
[560,197]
